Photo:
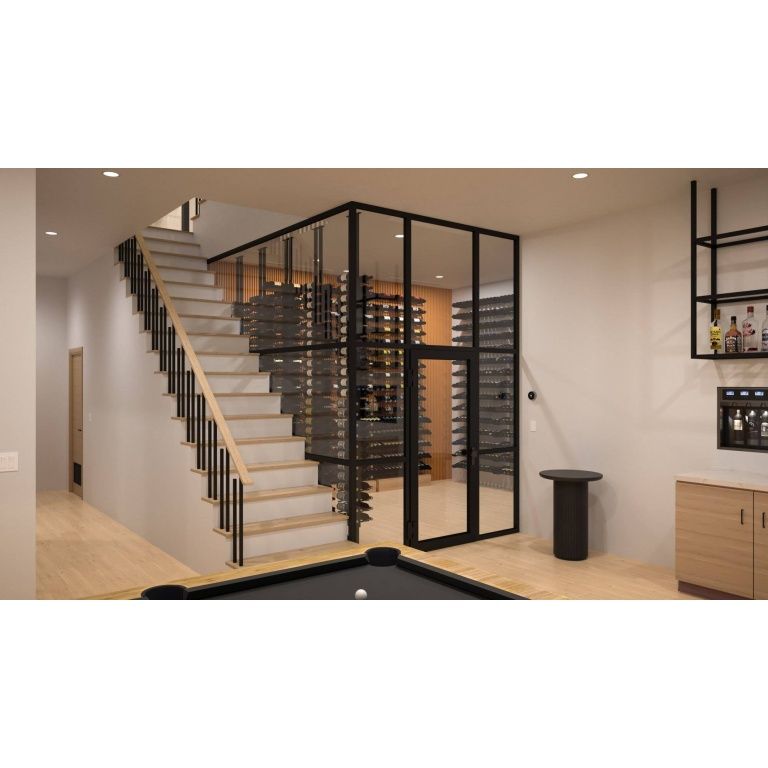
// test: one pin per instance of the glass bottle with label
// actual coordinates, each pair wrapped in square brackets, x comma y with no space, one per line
[733,338]
[764,332]
[749,332]
[764,428]
[737,428]
[752,428]
[716,333]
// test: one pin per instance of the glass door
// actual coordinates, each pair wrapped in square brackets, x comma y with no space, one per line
[441,452]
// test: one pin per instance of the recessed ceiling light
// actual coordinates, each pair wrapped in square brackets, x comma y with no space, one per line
[51,233]
[580,175]
[399,237]
[111,174]
[439,277]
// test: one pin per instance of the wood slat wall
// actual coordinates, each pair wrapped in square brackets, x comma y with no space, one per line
[437,308]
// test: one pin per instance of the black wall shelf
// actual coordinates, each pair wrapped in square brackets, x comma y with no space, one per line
[714,242]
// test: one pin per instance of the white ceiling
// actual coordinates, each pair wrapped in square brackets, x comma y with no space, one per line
[92,213]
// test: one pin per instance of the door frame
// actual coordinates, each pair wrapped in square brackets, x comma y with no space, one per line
[74,352]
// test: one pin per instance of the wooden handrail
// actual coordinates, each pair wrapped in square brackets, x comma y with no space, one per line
[194,364]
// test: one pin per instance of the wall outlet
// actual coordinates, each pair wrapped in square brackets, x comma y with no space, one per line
[9,461]
[532,425]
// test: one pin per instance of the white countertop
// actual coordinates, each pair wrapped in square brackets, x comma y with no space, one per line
[727,478]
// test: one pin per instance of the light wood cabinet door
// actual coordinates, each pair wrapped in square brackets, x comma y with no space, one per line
[761,546]
[714,538]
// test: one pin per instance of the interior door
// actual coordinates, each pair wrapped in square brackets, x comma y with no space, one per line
[715,538]
[441,452]
[761,546]
[76,421]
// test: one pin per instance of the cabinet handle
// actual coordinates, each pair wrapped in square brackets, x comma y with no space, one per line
[742,517]
[763,519]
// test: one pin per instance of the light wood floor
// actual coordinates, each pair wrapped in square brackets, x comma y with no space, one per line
[83,552]
[517,557]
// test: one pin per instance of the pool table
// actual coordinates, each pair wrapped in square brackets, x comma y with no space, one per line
[382,572]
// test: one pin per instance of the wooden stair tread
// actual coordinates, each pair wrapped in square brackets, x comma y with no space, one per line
[247,394]
[257,440]
[280,493]
[207,317]
[217,333]
[197,285]
[231,373]
[183,269]
[268,465]
[287,524]
[242,417]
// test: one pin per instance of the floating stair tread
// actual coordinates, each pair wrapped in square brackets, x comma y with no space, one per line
[286,524]
[195,299]
[207,317]
[197,285]
[280,493]
[269,465]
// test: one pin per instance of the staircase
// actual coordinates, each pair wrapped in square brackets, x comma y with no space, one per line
[284,507]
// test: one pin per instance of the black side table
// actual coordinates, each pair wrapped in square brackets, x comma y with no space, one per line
[571,521]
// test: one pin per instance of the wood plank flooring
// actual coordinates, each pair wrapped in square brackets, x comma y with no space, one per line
[82,552]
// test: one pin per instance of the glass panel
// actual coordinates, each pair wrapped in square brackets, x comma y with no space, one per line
[497,508]
[497,289]
[496,400]
[288,290]
[442,490]
[441,272]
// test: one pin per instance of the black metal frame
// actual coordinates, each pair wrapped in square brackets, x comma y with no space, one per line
[353,344]
[716,241]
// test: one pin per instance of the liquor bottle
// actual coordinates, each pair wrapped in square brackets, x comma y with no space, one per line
[733,338]
[749,332]
[764,332]
[716,333]
[737,426]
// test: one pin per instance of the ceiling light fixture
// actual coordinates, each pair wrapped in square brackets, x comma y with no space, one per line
[580,175]
[439,277]
[51,233]
[111,174]
[399,237]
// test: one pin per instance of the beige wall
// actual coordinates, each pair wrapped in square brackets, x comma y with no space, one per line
[606,345]
[17,405]
[52,384]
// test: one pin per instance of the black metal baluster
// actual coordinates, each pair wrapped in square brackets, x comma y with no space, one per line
[215,457]
[221,488]
[226,500]
[190,396]
[171,356]
[197,430]
[153,318]
[202,434]
[211,449]
[180,384]
[162,338]
[140,284]
[240,545]
[147,301]
[235,540]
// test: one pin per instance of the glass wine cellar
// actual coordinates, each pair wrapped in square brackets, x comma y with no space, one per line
[392,338]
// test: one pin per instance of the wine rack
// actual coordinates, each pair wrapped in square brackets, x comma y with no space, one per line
[496,392]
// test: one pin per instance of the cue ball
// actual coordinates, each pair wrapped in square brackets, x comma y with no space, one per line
[361,594]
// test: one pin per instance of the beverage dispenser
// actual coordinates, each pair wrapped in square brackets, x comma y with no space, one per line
[742,418]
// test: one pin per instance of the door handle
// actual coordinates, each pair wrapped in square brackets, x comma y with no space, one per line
[742,517]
